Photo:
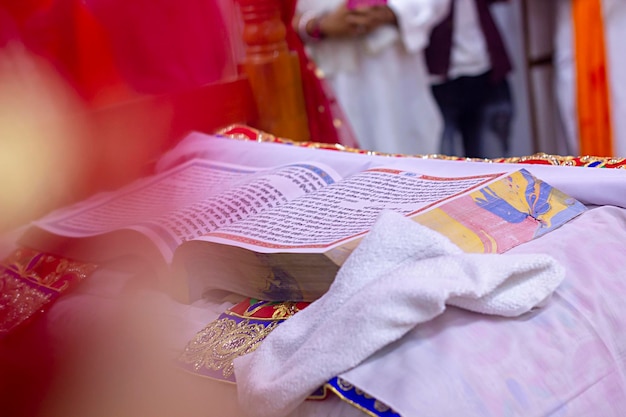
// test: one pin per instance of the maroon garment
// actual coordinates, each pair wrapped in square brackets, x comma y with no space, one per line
[440,46]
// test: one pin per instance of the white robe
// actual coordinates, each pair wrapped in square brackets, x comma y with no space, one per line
[614,15]
[381,80]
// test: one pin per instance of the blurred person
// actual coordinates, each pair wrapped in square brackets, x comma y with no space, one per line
[91,74]
[372,57]
[42,162]
[54,150]
[66,34]
[589,76]
[326,119]
[469,64]
[118,358]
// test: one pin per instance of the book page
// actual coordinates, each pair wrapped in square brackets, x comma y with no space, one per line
[192,199]
[591,187]
[344,210]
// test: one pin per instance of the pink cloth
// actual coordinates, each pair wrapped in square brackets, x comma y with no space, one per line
[566,359]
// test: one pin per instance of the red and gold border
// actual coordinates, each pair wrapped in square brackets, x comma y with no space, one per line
[31,280]
[244,132]
[236,332]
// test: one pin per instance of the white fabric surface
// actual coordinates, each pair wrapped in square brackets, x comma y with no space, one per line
[566,359]
[381,80]
[589,186]
[401,275]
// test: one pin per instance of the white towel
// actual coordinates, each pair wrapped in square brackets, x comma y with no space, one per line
[401,274]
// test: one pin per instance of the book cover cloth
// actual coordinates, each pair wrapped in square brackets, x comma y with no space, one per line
[598,187]
[240,330]
[419,272]
[237,331]
[30,281]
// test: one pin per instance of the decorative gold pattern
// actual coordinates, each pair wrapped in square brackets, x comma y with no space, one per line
[284,310]
[28,265]
[381,407]
[18,301]
[586,160]
[30,280]
[218,344]
[344,387]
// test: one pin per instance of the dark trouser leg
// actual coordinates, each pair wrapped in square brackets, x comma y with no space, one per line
[464,103]
[475,91]
[497,117]
[450,105]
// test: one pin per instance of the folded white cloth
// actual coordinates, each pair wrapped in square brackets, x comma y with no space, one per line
[401,274]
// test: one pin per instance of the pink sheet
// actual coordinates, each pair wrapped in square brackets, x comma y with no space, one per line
[566,359]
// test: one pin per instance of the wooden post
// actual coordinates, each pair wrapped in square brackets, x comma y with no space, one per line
[273,71]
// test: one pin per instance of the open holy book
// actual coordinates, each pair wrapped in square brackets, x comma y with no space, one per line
[282,233]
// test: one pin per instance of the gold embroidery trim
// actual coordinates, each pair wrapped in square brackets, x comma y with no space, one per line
[282,311]
[216,346]
[345,386]
[18,301]
[262,136]
[21,263]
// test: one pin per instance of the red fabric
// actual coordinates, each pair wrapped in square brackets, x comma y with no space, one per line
[13,16]
[112,47]
[9,30]
[66,34]
[107,49]
[267,310]
[95,67]
[163,46]
[31,281]
[22,10]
